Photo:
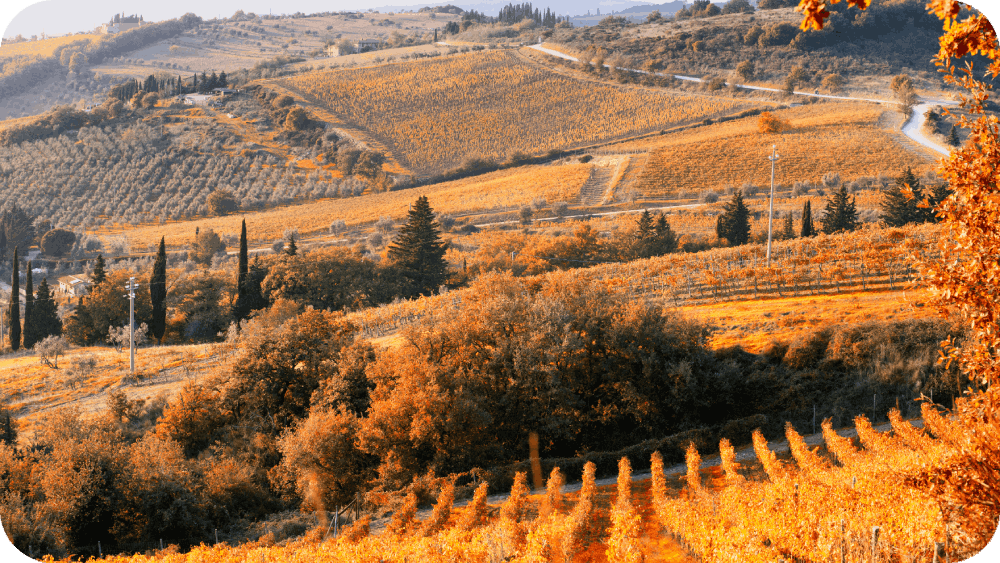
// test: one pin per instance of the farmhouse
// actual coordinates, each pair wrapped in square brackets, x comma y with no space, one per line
[74,285]
[112,28]
[367,45]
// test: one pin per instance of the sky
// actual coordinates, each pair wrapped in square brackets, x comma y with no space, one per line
[57,17]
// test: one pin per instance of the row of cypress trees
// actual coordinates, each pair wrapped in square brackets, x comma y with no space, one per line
[40,316]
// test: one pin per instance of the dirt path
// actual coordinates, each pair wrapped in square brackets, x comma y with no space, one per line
[911,129]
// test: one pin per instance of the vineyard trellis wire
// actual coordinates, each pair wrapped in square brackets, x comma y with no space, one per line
[869,259]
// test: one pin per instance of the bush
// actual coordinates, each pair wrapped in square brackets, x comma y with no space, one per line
[57,242]
[206,245]
[769,123]
[221,202]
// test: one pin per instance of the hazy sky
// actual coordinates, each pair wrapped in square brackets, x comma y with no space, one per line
[56,17]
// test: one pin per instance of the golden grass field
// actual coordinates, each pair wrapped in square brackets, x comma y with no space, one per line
[34,390]
[841,137]
[508,188]
[42,47]
[495,103]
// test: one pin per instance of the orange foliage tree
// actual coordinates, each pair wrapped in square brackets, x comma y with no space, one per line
[966,278]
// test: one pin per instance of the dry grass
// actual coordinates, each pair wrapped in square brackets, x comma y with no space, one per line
[493,104]
[33,389]
[754,324]
[825,137]
[506,189]
[42,47]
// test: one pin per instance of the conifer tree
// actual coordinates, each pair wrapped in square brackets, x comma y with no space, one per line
[807,221]
[897,208]
[45,320]
[644,227]
[98,276]
[29,335]
[418,249]
[14,311]
[953,137]
[291,249]
[241,307]
[734,223]
[158,293]
[788,229]
[840,213]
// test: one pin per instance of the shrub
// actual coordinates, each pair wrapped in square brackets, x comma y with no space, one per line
[221,202]
[769,123]
[57,242]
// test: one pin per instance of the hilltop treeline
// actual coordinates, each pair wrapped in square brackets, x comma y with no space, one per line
[307,414]
[883,40]
[21,73]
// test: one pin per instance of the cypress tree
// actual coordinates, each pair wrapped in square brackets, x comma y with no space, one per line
[418,250]
[291,249]
[241,306]
[158,293]
[953,137]
[30,335]
[14,312]
[807,221]
[734,224]
[98,276]
[840,213]
[46,318]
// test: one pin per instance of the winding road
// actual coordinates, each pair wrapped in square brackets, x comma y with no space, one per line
[913,128]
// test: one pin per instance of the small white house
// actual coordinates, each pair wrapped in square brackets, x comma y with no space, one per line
[198,99]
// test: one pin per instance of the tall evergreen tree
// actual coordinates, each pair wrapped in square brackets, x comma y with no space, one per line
[46,317]
[18,228]
[241,306]
[14,312]
[788,228]
[939,193]
[734,223]
[840,213]
[290,248]
[29,334]
[98,276]
[418,249]
[897,208]
[953,137]
[644,226]
[158,293]
[807,221]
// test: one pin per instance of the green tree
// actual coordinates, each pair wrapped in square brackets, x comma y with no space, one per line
[898,208]
[206,245]
[14,311]
[57,242]
[745,70]
[418,249]
[158,293]
[46,318]
[18,229]
[788,227]
[807,221]
[840,213]
[290,247]
[30,335]
[221,202]
[98,275]
[644,226]
[953,137]
[241,306]
[659,239]
[734,223]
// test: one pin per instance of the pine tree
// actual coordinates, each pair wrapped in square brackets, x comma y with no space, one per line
[46,317]
[897,208]
[158,293]
[644,227]
[14,312]
[807,221]
[418,249]
[223,80]
[734,223]
[953,137]
[98,276]
[291,249]
[939,193]
[30,335]
[840,213]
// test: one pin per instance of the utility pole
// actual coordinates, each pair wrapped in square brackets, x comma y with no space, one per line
[131,287]
[770,212]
